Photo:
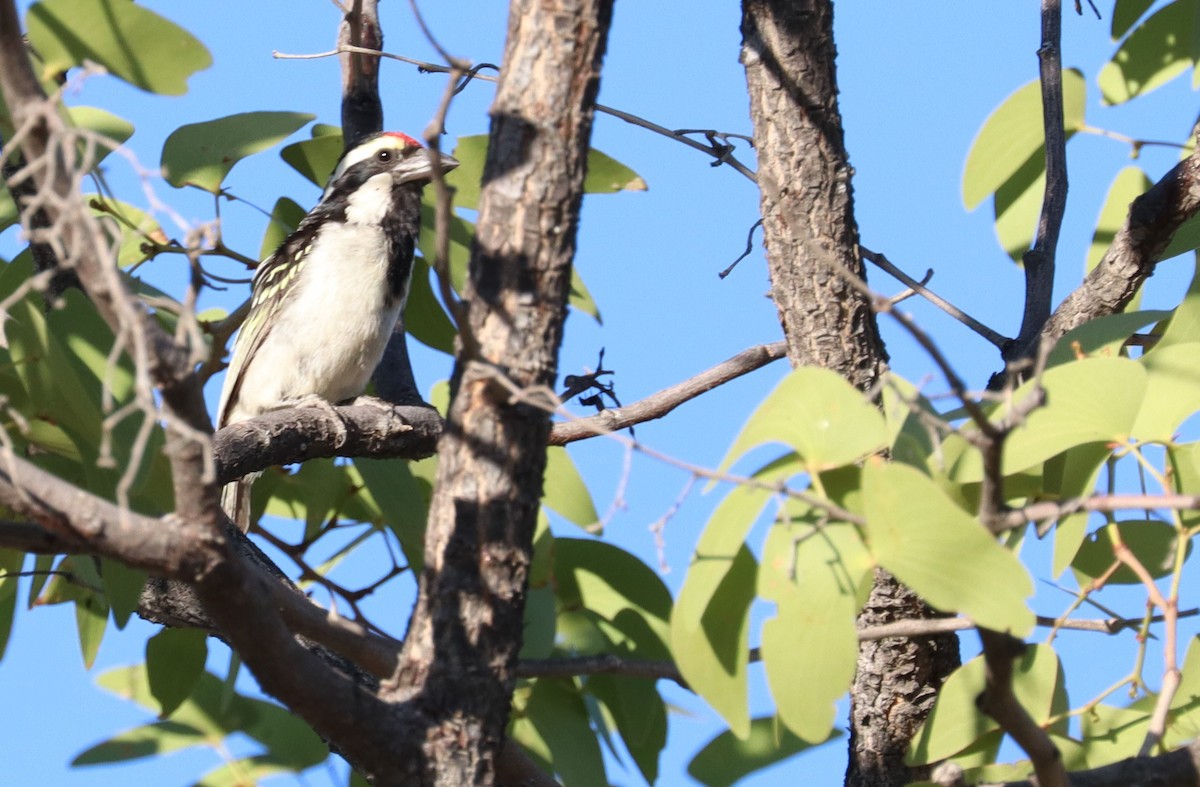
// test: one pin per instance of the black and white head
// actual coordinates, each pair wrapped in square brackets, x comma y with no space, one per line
[402,158]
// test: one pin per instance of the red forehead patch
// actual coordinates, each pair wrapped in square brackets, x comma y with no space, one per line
[405,138]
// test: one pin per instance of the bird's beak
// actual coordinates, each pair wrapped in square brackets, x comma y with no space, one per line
[417,167]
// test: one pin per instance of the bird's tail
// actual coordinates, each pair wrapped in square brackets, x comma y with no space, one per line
[235,499]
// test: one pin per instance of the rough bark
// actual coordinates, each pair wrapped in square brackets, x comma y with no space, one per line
[459,657]
[812,253]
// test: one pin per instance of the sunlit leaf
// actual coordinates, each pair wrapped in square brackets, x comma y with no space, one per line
[1013,133]
[606,175]
[819,415]
[116,130]
[956,721]
[131,41]
[1172,391]
[729,757]
[1103,336]
[1155,53]
[1184,327]
[150,740]
[710,624]
[1130,182]
[1152,542]
[403,500]
[813,577]
[564,491]
[615,585]
[134,226]
[202,154]
[941,552]
[1073,413]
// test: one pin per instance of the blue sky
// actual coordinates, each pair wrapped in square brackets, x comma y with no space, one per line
[917,81]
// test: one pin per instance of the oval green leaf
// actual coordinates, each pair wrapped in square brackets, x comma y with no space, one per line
[814,411]
[174,663]
[1155,53]
[812,577]
[727,758]
[1151,541]
[202,154]
[1014,133]
[1172,391]
[565,493]
[129,40]
[941,552]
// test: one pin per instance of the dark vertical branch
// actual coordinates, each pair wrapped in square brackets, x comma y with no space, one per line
[459,657]
[362,111]
[1039,261]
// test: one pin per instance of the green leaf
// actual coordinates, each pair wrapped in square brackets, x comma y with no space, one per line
[557,712]
[315,158]
[289,741]
[1125,13]
[640,716]
[10,565]
[1018,205]
[202,154]
[403,500]
[132,225]
[1154,54]
[1073,474]
[123,588]
[729,757]
[150,740]
[1104,336]
[581,298]
[174,663]
[1151,541]
[243,772]
[818,414]
[565,493]
[1013,134]
[956,722]
[813,576]
[710,631]
[1185,239]
[1172,391]
[91,620]
[606,175]
[614,585]
[285,218]
[424,318]
[115,129]
[1184,326]
[129,40]
[1072,415]
[941,552]
[1130,183]
[1113,734]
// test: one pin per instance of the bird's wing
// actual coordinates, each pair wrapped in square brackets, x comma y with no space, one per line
[273,286]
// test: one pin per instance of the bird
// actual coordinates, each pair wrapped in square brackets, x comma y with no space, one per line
[324,304]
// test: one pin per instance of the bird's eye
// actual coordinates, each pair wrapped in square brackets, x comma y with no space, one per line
[384,156]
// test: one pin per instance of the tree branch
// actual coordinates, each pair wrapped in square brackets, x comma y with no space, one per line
[659,404]
[1039,261]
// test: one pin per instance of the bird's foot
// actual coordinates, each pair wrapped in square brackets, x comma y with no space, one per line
[319,403]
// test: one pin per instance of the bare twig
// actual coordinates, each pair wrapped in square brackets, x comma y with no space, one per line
[659,404]
[1039,261]
[722,155]
[993,337]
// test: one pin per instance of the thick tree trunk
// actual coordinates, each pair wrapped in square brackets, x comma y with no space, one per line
[812,252]
[462,645]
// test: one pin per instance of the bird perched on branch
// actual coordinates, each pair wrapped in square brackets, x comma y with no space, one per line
[326,302]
